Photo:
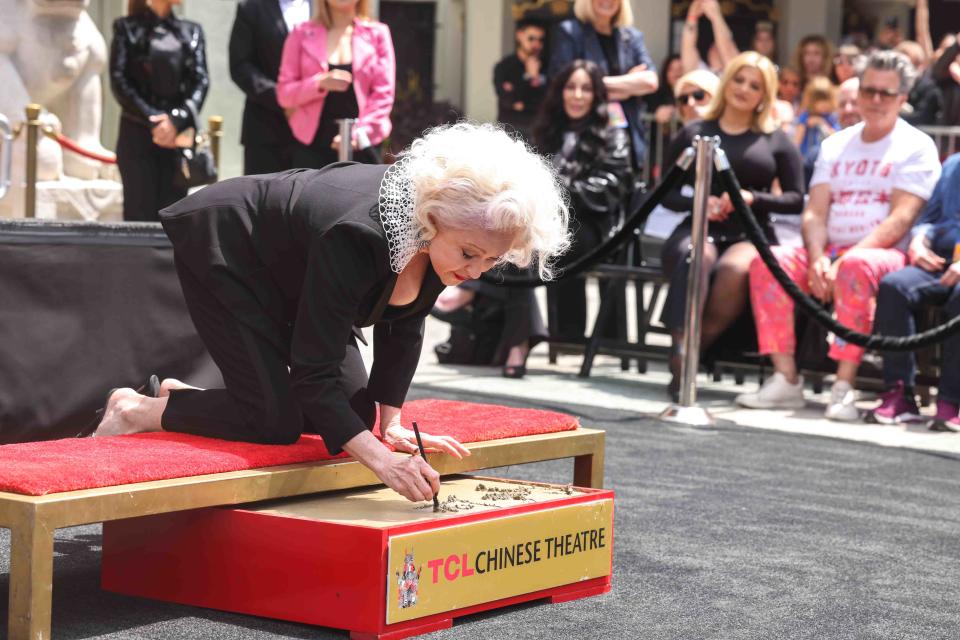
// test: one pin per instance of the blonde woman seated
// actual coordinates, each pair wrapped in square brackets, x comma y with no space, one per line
[741,114]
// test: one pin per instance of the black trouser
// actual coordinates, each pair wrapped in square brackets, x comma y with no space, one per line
[901,294]
[259,403]
[568,296]
[147,173]
[267,158]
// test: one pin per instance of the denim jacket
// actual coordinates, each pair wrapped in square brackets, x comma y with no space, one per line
[940,220]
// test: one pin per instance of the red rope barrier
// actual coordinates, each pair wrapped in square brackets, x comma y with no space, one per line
[67,143]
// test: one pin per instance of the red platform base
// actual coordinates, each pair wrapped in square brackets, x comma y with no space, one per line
[368,562]
[567,593]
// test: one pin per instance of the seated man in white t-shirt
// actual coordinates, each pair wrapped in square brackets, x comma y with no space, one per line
[869,184]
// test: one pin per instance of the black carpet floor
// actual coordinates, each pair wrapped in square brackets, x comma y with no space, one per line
[727,533]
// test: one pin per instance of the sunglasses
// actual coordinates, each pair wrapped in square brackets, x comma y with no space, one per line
[684,98]
[872,92]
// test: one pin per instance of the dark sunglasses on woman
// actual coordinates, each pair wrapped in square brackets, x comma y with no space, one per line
[872,92]
[697,96]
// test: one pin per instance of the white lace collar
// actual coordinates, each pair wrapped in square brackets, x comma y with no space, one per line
[397,200]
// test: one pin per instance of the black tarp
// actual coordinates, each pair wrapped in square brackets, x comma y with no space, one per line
[85,308]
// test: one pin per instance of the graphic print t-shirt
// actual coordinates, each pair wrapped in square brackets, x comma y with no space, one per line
[862,177]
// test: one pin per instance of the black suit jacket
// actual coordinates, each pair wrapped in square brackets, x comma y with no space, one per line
[301,258]
[256,46]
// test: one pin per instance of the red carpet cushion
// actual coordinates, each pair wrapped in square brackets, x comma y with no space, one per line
[39,468]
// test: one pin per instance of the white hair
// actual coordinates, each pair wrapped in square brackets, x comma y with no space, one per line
[476,176]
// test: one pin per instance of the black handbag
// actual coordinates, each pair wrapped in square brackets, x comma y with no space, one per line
[195,165]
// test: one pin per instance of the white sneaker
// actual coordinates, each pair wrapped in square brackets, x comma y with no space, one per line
[776,393]
[842,407]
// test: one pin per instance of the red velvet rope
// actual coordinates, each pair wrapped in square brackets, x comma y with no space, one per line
[67,143]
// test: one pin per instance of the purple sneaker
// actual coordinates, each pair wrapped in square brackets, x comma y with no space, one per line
[896,407]
[946,418]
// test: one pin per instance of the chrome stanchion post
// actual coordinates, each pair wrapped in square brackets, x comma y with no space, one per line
[687,411]
[346,139]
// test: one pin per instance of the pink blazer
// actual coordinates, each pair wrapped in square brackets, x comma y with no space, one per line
[374,78]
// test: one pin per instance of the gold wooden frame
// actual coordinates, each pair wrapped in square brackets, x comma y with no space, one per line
[32,520]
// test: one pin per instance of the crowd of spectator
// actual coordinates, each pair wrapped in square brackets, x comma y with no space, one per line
[828,136]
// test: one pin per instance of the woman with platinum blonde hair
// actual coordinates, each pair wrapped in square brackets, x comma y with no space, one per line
[280,271]
[760,153]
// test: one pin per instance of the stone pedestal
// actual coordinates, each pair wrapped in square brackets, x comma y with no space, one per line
[51,53]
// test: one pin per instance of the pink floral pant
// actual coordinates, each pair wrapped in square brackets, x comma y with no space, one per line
[854,296]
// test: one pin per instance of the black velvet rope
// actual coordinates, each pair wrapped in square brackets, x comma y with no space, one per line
[601,251]
[877,342]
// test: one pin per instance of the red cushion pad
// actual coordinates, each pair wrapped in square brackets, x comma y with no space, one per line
[40,468]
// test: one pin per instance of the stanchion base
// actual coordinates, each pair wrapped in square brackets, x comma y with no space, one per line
[694,416]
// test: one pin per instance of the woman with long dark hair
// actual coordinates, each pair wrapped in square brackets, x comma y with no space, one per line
[813,57]
[601,31]
[593,160]
[158,74]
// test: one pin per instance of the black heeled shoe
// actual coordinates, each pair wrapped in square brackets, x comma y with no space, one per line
[514,371]
[151,389]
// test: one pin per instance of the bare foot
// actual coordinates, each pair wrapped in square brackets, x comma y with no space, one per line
[172,384]
[129,412]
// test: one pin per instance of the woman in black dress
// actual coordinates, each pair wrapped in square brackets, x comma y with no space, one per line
[158,74]
[279,271]
[760,154]
[593,160]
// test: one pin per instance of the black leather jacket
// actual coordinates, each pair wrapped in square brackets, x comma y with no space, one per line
[599,180]
[159,65]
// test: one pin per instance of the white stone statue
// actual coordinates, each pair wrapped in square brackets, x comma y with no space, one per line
[52,53]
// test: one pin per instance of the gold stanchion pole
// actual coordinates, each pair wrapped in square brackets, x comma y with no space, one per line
[215,129]
[33,134]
